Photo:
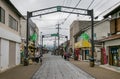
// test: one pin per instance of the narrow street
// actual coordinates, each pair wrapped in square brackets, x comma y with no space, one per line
[54,67]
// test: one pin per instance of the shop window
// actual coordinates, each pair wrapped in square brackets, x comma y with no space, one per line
[2,15]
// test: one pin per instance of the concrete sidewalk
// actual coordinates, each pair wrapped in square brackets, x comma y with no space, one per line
[97,72]
[20,72]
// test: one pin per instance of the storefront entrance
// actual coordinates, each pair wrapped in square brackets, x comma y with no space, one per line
[114,55]
[85,54]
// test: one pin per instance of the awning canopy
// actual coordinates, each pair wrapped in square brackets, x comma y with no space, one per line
[83,44]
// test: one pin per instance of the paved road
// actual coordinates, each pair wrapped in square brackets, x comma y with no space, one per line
[54,67]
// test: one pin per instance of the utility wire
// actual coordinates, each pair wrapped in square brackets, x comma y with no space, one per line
[72,11]
[97,3]
[64,5]
[107,9]
[54,28]
[104,3]
[91,4]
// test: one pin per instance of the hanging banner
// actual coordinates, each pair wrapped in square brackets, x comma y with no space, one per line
[33,37]
[85,36]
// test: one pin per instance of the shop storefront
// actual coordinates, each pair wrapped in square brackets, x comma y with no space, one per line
[85,53]
[84,49]
[114,55]
[112,46]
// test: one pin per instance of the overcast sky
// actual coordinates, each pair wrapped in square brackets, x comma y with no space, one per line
[47,23]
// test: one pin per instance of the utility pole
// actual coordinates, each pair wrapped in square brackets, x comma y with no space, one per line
[58,37]
[55,42]
[55,46]
[58,34]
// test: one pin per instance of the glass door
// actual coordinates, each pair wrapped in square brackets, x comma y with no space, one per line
[87,54]
[114,51]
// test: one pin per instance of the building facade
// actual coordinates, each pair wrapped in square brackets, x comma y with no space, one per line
[112,42]
[9,35]
[76,29]
[101,30]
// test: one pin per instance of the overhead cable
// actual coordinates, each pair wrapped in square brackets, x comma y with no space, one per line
[91,4]
[72,10]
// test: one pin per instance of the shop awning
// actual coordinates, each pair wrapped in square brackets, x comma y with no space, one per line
[83,44]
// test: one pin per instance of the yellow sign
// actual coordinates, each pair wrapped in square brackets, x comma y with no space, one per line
[82,44]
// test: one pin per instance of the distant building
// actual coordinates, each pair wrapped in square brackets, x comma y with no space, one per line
[33,38]
[76,28]
[32,29]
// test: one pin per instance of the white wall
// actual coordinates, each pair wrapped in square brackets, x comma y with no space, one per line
[112,42]
[17,54]
[101,30]
[4,54]
[9,35]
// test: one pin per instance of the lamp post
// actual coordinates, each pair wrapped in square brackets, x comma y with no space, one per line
[58,36]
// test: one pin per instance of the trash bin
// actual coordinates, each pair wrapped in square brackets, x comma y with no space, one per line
[91,62]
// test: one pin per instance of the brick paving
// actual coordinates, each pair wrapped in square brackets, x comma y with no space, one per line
[97,72]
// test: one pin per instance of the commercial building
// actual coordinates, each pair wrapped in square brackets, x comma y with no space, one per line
[9,35]
[112,42]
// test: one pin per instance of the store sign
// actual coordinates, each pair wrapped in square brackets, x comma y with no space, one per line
[54,34]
